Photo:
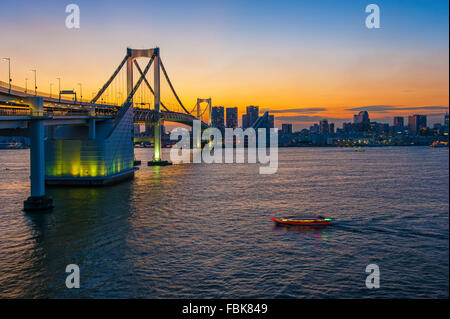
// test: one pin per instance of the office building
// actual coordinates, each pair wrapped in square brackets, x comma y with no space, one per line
[399,122]
[323,127]
[331,128]
[232,117]
[217,116]
[252,114]
[416,123]
[244,121]
[286,128]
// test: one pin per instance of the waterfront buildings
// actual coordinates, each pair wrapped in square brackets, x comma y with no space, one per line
[286,128]
[232,117]
[250,117]
[399,121]
[217,117]
[323,127]
[416,123]
[363,132]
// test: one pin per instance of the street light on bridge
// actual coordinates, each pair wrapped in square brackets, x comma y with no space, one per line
[26,85]
[35,84]
[59,88]
[81,92]
[9,74]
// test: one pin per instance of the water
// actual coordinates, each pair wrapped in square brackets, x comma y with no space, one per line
[202,231]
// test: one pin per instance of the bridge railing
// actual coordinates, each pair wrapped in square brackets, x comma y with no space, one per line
[14,112]
[54,112]
[21,91]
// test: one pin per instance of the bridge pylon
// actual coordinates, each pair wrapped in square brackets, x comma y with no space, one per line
[154,53]
[199,101]
[38,200]
[198,139]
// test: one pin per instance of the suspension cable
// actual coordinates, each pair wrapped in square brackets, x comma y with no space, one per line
[193,109]
[102,90]
[148,84]
[171,86]
[138,83]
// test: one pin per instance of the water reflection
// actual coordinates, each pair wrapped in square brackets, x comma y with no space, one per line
[319,232]
[85,226]
[203,231]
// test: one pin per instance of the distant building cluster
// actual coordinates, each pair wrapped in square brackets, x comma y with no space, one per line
[361,131]
[364,132]
[219,120]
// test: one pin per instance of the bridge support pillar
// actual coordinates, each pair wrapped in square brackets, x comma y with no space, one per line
[157,161]
[157,126]
[157,138]
[38,200]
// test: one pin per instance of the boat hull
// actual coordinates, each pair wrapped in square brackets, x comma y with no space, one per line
[296,223]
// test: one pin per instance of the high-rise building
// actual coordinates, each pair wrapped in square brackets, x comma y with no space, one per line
[244,121]
[399,122]
[217,116]
[286,128]
[232,117]
[416,122]
[252,114]
[361,121]
[331,128]
[323,127]
[363,118]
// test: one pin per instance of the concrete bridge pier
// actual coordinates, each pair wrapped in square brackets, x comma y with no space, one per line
[38,200]
[157,161]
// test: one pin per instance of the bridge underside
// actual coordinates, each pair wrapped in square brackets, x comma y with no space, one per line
[94,155]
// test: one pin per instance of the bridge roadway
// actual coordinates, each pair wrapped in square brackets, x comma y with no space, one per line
[15,112]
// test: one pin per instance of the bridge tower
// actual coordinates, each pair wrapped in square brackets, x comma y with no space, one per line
[197,138]
[199,101]
[134,54]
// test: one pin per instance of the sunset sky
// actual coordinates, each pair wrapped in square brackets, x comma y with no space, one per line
[302,60]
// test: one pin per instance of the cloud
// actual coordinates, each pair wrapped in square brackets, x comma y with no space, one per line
[305,118]
[387,108]
[310,110]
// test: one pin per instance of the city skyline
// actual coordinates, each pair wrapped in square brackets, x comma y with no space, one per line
[336,68]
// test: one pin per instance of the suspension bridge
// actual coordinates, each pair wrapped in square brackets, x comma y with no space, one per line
[90,142]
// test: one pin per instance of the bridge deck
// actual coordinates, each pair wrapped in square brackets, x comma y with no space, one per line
[13,107]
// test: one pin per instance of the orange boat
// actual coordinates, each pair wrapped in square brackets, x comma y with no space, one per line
[302,221]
